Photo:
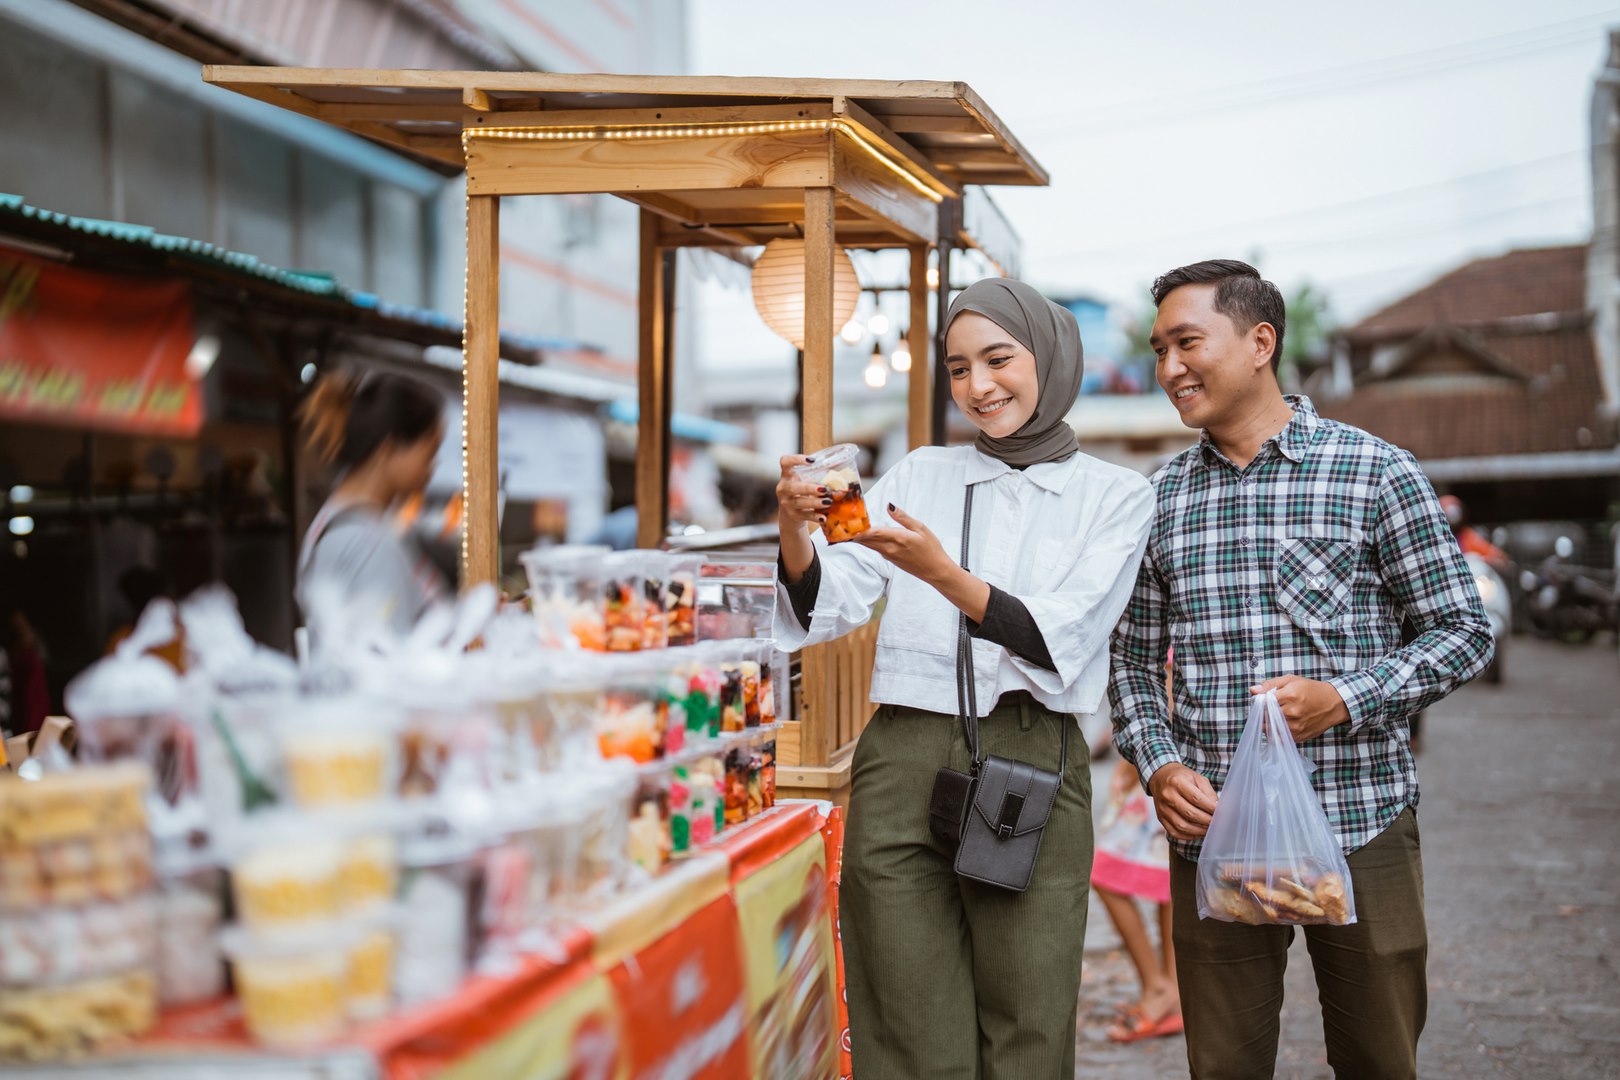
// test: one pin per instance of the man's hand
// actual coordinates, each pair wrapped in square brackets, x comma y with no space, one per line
[1183,799]
[912,547]
[1310,707]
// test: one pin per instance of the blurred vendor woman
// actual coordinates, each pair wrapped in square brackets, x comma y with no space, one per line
[380,433]
[949,977]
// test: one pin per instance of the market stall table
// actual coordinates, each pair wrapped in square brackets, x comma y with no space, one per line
[714,920]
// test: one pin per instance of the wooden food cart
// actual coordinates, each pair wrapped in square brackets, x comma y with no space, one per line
[721,162]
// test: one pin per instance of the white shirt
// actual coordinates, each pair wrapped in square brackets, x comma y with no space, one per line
[1065,538]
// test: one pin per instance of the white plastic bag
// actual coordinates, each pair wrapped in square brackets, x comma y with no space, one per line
[1270,856]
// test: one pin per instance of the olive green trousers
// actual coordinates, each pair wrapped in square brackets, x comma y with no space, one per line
[949,978]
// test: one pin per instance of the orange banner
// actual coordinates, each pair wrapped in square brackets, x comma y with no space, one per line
[832,833]
[788,959]
[685,1001]
[95,350]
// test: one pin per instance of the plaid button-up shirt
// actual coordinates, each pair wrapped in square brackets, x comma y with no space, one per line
[1301,563]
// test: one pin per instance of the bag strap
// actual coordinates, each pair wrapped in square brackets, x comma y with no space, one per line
[967,693]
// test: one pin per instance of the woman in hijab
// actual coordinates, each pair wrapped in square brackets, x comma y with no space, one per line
[948,977]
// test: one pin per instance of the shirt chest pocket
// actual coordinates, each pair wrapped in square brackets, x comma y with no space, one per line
[1315,572]
[917,618]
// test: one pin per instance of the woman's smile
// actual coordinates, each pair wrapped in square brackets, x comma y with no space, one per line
[993,407]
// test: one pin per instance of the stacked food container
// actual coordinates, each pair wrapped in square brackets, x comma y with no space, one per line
[357,834]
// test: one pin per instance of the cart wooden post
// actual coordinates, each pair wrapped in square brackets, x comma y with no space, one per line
[716,162]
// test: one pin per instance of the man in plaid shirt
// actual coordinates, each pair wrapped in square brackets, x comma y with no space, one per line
[1284,555]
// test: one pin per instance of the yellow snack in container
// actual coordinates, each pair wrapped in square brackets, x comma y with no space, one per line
[288,885]
[369,980]
[293,990]
[369,872]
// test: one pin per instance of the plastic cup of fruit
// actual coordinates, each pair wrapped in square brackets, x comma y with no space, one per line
[834,469]
[622,594]
[680,597]
[563,585]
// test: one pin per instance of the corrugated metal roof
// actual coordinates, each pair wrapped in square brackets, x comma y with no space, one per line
[145,235]
[307,282]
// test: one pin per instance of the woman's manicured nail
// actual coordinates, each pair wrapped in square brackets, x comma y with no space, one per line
[826,502]
[809,460]
[821,491]
[891,508]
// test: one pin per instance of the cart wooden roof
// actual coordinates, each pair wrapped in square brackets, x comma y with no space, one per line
[422,112]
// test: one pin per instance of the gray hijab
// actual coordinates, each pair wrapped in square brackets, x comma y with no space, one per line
[1050,332]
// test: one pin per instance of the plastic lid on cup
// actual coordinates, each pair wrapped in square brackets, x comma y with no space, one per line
[831,457]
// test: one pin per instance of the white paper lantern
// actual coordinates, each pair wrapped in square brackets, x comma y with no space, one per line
[779,289]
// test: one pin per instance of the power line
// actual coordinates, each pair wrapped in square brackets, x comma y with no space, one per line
[1328,208]
[1351,240]
[1401,67]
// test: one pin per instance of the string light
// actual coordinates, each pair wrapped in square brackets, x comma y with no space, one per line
[704,131]
[901,357]
[852,332]
[877,372]
[466,313]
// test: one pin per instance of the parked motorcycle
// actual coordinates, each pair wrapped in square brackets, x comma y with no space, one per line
[1569,602]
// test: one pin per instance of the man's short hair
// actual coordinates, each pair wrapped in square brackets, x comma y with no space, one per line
[1241,294]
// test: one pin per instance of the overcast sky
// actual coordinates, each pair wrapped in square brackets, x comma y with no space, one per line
[1365,147]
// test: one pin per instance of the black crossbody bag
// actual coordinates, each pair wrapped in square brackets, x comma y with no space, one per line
[994,816]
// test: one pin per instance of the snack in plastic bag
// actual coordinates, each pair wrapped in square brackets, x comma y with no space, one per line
[127,707]
[1270,856]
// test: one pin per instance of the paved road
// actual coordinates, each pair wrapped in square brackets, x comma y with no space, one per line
[1521,849]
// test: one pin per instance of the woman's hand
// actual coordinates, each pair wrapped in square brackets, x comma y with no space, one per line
[912,547]
[798,504]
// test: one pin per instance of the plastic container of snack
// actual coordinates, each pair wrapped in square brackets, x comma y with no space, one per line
[368,980]
[634,721]
[681,575]
[563,725]
[435,917]
[603,796]
[293,988]
[835,469]
[565,595]
[622,594]
[734,699]
[288,879]
[655,569]
[190,904]
[58,945]
[340,751]
[650,820]
[368,872]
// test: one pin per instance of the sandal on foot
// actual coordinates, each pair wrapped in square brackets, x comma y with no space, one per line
[1140,1026]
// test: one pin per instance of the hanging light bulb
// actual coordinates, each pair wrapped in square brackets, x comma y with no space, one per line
[877,372]
[900,359]
[878,324]
[852,332]
[933,277]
